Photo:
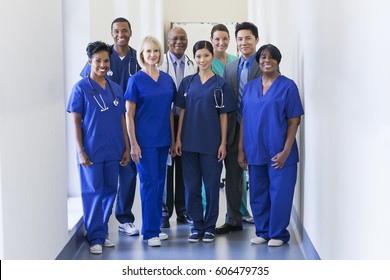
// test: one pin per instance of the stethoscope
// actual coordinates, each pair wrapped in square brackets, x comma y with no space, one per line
[189,61]
[217,92]
[131,62]
[94,91]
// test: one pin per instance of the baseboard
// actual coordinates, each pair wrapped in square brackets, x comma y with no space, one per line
[75,243]
[304,241]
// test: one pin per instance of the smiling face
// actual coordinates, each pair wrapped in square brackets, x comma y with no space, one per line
[177,41]
[267,63]
[121,33]
[220,41]
[100,63]
[151,54]
[246,42]
[203,58]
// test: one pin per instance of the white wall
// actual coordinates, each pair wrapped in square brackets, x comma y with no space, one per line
[33,179]
[338,53]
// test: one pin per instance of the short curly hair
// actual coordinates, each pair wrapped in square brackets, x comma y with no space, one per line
[97,46]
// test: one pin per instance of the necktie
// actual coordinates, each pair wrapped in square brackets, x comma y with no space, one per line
[179,73]
[179,77]
[243,81]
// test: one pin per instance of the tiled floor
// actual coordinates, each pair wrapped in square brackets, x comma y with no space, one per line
[233,246]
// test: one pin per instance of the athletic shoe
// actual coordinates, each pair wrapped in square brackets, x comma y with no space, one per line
[163,236]
[185,219]
[208,237]
[248,219]
[128,229]
[258,240]
[96,249]
[108,243]
[195,237]
[154,242]
[275,243]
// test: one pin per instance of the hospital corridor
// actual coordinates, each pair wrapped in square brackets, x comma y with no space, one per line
[336,52]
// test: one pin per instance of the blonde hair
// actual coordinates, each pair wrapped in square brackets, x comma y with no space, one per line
[154,43]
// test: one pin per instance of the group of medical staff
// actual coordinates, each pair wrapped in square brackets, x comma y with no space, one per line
[128,124]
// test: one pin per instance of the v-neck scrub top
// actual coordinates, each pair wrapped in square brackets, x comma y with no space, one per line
[266,119]
[201,131]
[102,132]
[153,101]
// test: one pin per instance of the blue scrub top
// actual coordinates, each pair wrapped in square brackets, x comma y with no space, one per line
[266,119]
[153,106]
[201,131]
[102,132]
[121,68]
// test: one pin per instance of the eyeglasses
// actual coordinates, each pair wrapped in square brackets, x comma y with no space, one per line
[182,38]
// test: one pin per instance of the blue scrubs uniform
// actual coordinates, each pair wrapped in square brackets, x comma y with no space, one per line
[201,138]
[121,70]
[103,142]
[265,130]
[153,132]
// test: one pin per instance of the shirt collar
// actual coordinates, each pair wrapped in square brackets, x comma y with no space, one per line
[174,59]
[250,59]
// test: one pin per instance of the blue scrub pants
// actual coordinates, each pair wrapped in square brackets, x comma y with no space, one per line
[99,183]
[152,172]
[196,167]
[126,193]
[271,196]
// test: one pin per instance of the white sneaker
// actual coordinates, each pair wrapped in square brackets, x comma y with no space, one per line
[154,242]
[128,229]
[258,240]
[108,243]
[248,219]
[163,236]
[96,249]
[275,243]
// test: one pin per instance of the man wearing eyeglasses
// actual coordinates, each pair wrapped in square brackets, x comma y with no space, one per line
[177,65]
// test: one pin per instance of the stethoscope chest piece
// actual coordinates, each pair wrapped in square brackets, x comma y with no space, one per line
[109,73]
[218,94]
[115,102]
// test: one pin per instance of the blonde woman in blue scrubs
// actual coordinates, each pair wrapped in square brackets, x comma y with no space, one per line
[149,97]
[271,110]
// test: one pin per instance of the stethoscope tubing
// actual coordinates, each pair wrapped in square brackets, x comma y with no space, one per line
[189,61]
[94,90]
[217,89]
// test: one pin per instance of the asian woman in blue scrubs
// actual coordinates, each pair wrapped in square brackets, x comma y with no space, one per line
[271,110]
[205,99]
[149,97]
[97,109]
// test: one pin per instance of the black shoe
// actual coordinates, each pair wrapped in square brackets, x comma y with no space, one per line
[165,223]
[184,220]
[226,228]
